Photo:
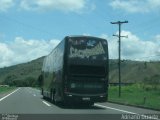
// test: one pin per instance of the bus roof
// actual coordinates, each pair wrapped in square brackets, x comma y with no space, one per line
[86,36]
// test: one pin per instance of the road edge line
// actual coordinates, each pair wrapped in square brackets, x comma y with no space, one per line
[46,103]
[115,109]
[128,112]
[9,94]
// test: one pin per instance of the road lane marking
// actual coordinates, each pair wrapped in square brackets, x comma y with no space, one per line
[115,109]
[9,94]
[128,112]
[46,103]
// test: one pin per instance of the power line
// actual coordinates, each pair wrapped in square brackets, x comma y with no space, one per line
[119,51]
[26,25]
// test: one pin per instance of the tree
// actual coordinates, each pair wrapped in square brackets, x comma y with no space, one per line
[9,80]
[155,81]
[151,82]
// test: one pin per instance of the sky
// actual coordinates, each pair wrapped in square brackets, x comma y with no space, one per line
[30,29]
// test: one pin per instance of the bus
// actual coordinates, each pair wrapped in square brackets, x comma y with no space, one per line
[77,70]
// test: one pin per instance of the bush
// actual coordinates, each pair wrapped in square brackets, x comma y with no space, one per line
[151,83]
[12,80]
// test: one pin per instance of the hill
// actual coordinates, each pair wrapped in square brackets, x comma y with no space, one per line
[25,72]
[131,72]
[135,71]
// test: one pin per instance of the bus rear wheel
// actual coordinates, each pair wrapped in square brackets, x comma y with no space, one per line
[52,98]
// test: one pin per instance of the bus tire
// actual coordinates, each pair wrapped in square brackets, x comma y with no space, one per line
[41,91]
[52,96]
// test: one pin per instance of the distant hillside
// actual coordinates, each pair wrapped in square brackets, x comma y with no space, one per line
[21,72]
[132,71]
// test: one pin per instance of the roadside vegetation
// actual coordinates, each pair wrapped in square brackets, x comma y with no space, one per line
[145,95]
[4,89]
[12,80]
[22,75]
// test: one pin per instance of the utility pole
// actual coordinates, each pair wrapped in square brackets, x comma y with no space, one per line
[119,51]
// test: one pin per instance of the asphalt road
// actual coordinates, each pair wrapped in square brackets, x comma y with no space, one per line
[28,101]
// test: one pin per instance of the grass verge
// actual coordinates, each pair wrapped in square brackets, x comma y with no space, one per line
[135,95]
[6,89]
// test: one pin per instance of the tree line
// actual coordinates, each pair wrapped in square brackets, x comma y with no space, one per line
[13,80]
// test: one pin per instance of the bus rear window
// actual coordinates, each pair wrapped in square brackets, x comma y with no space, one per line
[85,48]
[84,70]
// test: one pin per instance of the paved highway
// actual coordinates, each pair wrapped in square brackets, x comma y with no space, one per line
[28,100]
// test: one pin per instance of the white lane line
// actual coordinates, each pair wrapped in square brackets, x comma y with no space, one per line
[128,112]
[9,94]
[46,103]
[115,109]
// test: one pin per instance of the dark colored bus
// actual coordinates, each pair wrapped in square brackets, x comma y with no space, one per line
[77,71]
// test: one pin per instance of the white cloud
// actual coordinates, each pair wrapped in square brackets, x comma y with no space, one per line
[5,54]
[5,5]
[134,6]
[21,50]
[133,47]
[77,6]
[157,38]
[45,5]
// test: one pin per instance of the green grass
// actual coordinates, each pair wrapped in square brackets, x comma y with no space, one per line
[135,95]
[6,89]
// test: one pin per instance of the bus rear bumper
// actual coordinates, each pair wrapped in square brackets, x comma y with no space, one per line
[86,98]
